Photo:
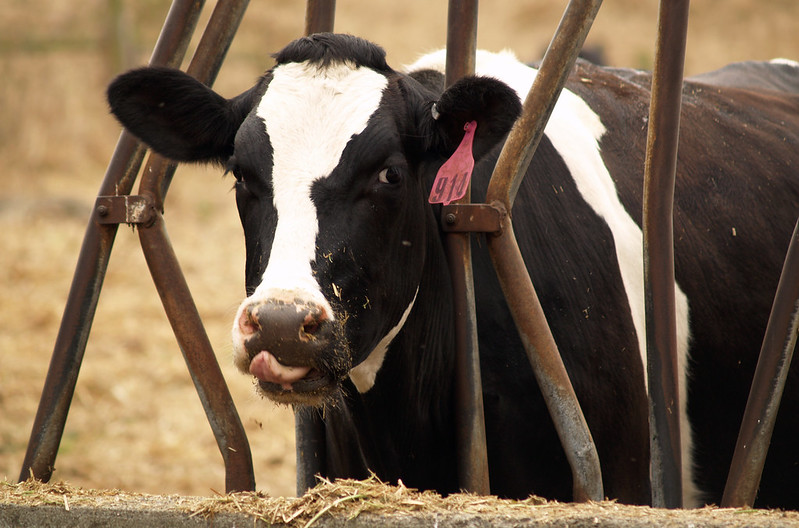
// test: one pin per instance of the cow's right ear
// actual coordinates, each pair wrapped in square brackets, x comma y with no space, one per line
[176,115]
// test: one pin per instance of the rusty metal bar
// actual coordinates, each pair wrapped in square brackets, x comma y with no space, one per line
[767,386]
[516,284]
[199,355]
[461,39]
[204,66]
[471,218]
[540,101]
[309,428]
[661,321]
[170,282]
[320,16]
[550,373]
[469,415]
[70,345]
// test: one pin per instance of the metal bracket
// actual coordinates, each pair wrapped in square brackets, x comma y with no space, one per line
[472,218]
[127,209]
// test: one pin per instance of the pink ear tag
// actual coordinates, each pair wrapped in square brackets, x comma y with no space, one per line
[454,175]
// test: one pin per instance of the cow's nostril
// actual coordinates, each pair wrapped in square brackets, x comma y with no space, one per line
[311,324]
[310,327]
[248,321]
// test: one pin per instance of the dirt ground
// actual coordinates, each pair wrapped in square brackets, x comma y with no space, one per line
[136,423]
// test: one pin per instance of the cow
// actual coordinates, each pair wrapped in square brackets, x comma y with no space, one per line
[349,311]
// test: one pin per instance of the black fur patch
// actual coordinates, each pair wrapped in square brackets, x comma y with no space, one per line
[327,48]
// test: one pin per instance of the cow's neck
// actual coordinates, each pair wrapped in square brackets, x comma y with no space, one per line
[407,417]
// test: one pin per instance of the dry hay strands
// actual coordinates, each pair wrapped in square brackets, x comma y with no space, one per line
[349,498]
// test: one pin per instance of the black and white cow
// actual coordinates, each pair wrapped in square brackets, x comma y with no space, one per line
[349,300]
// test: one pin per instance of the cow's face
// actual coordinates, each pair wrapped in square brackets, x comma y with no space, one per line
[334,219]
[333,156]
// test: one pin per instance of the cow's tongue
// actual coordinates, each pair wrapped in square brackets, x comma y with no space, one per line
[266,367]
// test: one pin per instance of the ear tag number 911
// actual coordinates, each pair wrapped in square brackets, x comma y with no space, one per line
[454,175]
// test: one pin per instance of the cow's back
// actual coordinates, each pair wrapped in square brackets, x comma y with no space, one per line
[736,203]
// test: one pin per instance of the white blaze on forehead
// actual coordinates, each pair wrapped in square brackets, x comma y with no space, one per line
[310,114]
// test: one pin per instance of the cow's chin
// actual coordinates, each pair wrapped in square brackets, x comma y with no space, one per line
[309,385]
[315,390]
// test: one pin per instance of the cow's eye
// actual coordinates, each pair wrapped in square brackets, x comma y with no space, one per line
[233,168]
[389,175]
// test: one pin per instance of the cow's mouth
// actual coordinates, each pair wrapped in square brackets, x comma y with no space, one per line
[290,384]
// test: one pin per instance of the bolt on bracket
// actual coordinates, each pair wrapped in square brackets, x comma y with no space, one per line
[127,209]
[472,218]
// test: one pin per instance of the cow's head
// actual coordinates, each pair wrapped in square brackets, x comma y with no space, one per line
[333,154]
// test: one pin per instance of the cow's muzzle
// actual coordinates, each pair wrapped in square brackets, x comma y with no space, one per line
[288,346]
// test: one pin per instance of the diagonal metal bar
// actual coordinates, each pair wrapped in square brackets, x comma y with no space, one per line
[199,355]
[70,345]
[204,66]
[511,271]
[767,386]
[469,414]
[661,332]
[171,284]
[540,101]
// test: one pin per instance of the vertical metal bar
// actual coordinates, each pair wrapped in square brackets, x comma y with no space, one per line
[199,355]
[469,415]
[319,16]
[461,39]
[767,386]
[516,284]
[660,167]
[70,345]
[309,428]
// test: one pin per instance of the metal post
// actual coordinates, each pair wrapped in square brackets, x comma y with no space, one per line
[550,373]
[70,345]
[519,291]
[767,386]
[320,16]
[469,415]
[661,332]
[309,431]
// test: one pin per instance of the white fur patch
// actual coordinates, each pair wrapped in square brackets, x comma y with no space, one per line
[310,114]
[575,130]
[785,62]
[363,376]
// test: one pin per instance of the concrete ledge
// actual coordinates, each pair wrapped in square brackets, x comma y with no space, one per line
[353,504]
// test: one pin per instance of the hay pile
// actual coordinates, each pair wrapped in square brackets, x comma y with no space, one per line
[351,498]
[364,501]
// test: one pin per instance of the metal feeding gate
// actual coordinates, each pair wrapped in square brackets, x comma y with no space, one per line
[115,205]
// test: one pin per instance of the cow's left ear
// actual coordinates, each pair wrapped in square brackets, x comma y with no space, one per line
[494,105]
